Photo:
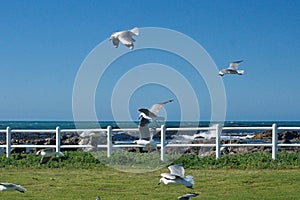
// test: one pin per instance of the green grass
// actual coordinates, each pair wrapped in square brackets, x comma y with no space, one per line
[80,176]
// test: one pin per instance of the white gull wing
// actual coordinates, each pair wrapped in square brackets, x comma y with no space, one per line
[145,113]
[156,107]
[126,37]
[168,176]
[11,186]
[135,31]
[177,170]
[234,65]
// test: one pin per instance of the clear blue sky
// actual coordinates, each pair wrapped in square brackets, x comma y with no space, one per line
[43,43]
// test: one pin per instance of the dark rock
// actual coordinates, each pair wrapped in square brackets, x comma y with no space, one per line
[286,141]
[263,135]
[288,135]
[123,136]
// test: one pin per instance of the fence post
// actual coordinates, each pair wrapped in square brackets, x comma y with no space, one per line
[8,141]
[57,136]
[109,141]
[162,142]
[274,141]
[218,138]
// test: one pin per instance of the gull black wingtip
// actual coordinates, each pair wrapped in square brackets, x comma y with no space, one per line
[239,61]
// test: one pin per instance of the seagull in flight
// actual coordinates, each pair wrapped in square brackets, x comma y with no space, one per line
[126,37]
[48,154]
[176,176]
[145,117]
[152,113]
[11,187]
[232,69]
[188,196]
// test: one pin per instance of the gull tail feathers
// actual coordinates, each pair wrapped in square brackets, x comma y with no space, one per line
[240,72]
[190,179]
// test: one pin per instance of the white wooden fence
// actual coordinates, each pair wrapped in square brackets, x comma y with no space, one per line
[163,144]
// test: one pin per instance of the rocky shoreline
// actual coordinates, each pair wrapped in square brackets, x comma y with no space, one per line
[93,138]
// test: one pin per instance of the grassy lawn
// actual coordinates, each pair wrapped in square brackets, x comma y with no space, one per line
[112,184]
[81,176]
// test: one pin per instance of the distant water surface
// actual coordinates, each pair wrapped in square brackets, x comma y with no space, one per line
[104,124]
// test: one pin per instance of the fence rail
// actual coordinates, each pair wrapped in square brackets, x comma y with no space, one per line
[163,144]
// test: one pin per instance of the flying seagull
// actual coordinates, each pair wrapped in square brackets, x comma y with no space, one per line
[188,196]
[145,117]
[232,69]
[177,177]
[152,113]
[125,37]
[48,154]
[11,187]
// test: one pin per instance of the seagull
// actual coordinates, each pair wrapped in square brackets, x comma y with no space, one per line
[188,196]
[48,154]
[125,37]
[146,137]
[177,177]
[232,69]
[151,114]
[11,186]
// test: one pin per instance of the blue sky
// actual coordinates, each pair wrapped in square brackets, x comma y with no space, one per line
[43,44]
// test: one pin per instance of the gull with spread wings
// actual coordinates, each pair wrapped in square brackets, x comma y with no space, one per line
[126,37]
[145,117]
[232,69]
[176,176]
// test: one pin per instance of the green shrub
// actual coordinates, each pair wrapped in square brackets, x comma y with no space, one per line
[83,160]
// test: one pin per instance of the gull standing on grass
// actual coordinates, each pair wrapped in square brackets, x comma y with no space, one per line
[126,37]
[146,138]
[188,196]
[48,154]
[11,187]
[176,177]
[232,69]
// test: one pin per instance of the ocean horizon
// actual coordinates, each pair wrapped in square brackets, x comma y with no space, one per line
[134,124]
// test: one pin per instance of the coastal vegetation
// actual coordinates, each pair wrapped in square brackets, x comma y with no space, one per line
[84,160]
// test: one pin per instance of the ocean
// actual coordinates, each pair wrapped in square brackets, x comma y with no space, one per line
[104,124]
